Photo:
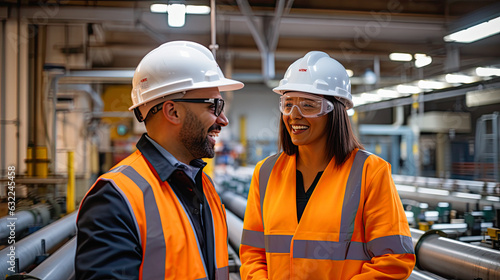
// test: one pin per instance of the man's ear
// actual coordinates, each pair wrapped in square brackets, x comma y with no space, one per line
[170,111]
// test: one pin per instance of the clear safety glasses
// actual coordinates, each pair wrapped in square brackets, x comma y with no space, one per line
[308,105]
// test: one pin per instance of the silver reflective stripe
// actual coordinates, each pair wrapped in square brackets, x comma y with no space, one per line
[278,243]
[222,273]
[329,250]
[117,169]
[264,174]
[131,210]
[394,244]
[253,238]
[205,278]
[155,242]
[352,196]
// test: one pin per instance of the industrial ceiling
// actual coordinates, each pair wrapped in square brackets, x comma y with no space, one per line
[258,39]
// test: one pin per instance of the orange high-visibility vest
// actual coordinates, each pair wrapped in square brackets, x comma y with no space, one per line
[353,227]
[169,243]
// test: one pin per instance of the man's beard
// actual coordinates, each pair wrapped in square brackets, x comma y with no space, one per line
[195,137]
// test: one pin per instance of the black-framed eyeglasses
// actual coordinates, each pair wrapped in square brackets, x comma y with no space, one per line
[218,103]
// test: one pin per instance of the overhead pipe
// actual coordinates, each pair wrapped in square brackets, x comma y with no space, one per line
[59,265]
[27,249]
[37,215]
[454,259]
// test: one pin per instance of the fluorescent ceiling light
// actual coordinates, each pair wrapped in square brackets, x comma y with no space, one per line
[197,9]
[405,188]
[176,15]
[350,112]
[493,198]
[158,8]
[405,89]
[190,9]
[388,93]
[422,60]
[427,84]
[475,32]
[371,97]
[357,100]
[459,79]
[349,72]
[433,191]
[468,195]
[400,57]
[485,72]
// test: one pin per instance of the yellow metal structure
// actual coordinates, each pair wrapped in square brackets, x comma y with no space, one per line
[38,167]
[70,190]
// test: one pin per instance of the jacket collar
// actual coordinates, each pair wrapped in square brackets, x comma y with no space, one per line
[159,163]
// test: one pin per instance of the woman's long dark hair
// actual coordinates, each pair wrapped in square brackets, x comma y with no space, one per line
[341,140]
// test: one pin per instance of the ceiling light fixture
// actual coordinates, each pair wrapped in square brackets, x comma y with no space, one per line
[459,79]
[176,15]
[486,72]
[177,12]
[400,57]
[422,60]
[405,89]
[427,84]
[476,32]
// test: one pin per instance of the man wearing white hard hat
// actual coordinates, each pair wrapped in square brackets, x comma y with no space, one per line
[156,214]
[323,208]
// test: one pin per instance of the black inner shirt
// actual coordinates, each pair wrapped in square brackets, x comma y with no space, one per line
[302,195]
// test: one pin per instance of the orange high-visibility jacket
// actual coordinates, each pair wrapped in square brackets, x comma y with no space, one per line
[353,227]
[169,243]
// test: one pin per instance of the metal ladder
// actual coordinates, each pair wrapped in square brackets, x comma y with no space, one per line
[486,151]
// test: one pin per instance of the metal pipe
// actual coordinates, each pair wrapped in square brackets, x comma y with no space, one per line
[30,247]
[59,265]
[419,275]
[454,259]
[213,28]
[234,230]
[3,97]
[37,215]
[236,203]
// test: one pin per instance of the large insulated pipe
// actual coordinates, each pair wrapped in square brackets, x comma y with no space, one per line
[454,259]
[37,215]
[423,275]
[27,249]
[236,203]
[234,229]
[60,265]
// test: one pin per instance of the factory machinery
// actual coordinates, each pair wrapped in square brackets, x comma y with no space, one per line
[48,253]
[438,257]
[453,231]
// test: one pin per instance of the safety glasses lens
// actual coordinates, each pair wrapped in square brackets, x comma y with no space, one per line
[307,107]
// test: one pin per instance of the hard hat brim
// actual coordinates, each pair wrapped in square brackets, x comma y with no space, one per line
[224,84]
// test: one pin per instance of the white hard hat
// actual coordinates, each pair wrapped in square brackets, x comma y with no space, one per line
[318,73]
[175,67]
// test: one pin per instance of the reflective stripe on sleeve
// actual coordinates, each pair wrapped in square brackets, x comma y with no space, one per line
[352,196]
[253,238]
[264,173]
[155,241]
[393,244]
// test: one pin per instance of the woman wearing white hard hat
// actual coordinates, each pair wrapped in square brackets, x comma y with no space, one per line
[323,208]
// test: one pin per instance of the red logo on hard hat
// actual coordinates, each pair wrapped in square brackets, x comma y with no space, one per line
[144,80]
[302,70]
